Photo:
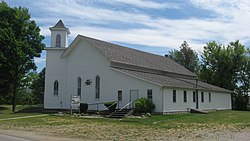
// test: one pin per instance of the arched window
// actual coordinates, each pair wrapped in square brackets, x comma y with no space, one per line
[97,87]
[79,83]
[56,87]
[58,40]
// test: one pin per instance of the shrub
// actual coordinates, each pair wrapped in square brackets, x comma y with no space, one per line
[111,108]
[83,107]
[144,105]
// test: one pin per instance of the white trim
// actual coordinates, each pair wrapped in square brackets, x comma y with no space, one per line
[72,45]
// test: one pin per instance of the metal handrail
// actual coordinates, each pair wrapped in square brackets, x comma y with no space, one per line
[101,103]
[127,105]
[112,104]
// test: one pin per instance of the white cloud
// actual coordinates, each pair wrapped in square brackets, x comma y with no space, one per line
[231,23]
[40,60]
[148,4]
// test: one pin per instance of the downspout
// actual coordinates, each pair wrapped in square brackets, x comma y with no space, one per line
[197,99]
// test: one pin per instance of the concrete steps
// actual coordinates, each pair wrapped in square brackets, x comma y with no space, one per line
[120,114]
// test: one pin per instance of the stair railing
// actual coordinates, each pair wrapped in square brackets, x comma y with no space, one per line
[112,104]
[131,102]
[100,103]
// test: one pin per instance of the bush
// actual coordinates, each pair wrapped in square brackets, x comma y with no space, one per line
[111,108]
[83,107]
[144,105]
[240,102]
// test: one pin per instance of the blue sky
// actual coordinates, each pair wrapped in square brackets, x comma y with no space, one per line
[155,26]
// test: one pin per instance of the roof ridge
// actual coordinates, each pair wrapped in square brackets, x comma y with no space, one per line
[136,57]
[122,46]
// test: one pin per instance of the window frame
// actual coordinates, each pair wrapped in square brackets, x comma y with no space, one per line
[119,95]
[150,94]
[209,97]
[56,88]
[194,96]
[185,96]
[58,40]
[202,97]
[79,86]
[97,87]
[174,96]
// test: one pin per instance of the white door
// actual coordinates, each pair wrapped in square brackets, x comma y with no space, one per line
[134,94]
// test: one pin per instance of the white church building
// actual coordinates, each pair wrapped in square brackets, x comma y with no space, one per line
[100,71]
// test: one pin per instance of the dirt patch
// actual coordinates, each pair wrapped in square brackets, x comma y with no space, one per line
[178,135]
[34,136]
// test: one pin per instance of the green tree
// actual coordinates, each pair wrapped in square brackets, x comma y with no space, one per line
[20,42]
[25,95]
[185,57]
[221,65]
[38,88]
[244,74]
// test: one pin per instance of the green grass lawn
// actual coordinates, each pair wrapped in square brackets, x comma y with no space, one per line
[5,111]
[157,127]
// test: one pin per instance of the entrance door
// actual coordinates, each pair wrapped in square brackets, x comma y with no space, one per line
[134,94]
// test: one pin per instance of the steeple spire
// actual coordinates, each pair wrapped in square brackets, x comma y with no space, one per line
[59,24]
[59,35]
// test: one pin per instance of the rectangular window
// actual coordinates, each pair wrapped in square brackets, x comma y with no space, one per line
[202,96]
[209,97]
[97,87]
[174,95]
[194,96]
[185,96]
[150,94]
[79,83]
[120,95]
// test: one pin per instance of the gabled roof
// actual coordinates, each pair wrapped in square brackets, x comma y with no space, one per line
[145,65]
[129,56]
[135,57]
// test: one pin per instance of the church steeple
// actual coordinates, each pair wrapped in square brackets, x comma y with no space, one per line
[59,35]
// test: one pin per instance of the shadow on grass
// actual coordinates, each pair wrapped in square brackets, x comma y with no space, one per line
[3,108]
[31,109]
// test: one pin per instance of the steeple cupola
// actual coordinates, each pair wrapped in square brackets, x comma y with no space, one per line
[59,35]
